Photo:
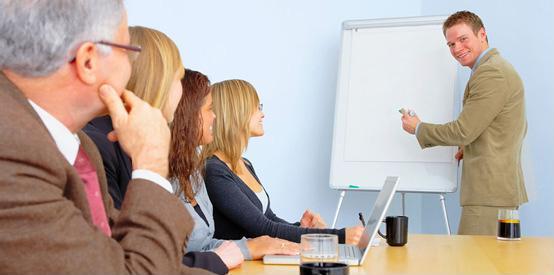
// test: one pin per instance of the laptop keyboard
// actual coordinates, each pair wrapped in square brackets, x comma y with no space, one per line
[347,251]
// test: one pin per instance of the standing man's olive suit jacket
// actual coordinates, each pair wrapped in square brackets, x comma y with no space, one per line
[45,221]
[491,127]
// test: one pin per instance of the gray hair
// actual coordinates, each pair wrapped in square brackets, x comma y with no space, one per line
[38,36]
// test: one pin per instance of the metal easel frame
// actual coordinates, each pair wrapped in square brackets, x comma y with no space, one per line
[441,198]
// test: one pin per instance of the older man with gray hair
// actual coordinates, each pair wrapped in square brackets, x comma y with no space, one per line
[64,62]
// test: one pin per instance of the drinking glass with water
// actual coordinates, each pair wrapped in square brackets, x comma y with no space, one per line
[319,248]
[319,254]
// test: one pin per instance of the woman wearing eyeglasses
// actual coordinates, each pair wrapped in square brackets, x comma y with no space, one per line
[156,78]
[192,129]
[241,203]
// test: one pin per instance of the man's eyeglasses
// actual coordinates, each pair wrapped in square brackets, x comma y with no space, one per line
[132,51]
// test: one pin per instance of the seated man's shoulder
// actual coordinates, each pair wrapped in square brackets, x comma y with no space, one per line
[24,136]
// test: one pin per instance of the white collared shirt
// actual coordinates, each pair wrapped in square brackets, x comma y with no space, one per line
[68,143]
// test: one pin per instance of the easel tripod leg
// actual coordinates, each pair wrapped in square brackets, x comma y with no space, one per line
[443,204]
[342,193]
[403,204]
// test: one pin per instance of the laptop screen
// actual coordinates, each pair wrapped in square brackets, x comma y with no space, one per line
[378,213]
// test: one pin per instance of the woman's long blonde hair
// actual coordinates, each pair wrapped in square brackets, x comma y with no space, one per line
[154,69]
[234,103]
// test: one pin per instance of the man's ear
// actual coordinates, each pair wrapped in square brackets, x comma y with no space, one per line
[482,34]
[86,63]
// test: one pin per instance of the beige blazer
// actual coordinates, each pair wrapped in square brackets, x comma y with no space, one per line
[46,225]
[491,127]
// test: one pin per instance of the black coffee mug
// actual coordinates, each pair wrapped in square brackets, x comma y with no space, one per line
[324,269]
[397,230]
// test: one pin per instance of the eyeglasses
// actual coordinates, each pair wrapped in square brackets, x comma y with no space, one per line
[261,107]
[132,50]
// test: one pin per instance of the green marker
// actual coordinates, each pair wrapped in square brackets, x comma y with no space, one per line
[353,186]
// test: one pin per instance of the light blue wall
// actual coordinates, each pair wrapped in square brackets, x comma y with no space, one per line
[522,31]
[289,51]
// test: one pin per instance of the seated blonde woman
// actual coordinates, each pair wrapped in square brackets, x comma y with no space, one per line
[191,129]
[156,78]
[241,204]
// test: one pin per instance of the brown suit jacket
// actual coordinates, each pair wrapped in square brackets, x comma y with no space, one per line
[46,225]
[491,127]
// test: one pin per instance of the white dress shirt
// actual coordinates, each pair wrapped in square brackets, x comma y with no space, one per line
[68,143]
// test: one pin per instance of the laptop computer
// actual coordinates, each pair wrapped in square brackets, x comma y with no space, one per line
[354,254]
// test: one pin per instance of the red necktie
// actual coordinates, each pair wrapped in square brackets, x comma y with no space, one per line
[92,188]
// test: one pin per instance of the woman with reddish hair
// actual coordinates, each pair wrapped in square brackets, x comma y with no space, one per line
[192,129]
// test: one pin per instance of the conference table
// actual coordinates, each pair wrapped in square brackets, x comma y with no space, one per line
[443,254]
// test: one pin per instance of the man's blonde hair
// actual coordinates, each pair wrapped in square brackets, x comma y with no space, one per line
[154,70]
[234,103]
[466,17]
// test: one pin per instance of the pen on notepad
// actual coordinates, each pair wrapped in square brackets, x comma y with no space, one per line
[361,216]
